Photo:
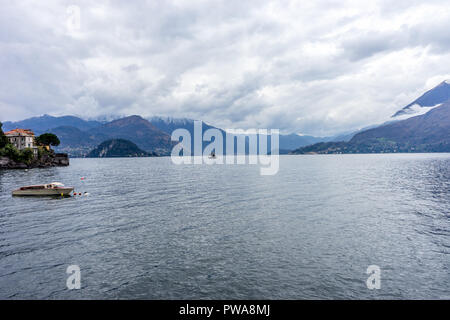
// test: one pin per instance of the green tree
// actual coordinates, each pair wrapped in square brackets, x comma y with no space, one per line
[26,155]
[11,152]
[3,139]
[48,139]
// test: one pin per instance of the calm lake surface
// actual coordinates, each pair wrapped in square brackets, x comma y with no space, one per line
[153,230]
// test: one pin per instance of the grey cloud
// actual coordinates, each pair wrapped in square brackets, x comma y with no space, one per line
[361,45]
[368,44]
[317,68]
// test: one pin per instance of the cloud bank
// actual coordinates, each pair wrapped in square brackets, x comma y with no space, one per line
[315,67]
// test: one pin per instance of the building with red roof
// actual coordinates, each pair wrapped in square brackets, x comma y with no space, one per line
[21,139]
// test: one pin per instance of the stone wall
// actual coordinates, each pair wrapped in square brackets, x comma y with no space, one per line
[61,159]
[7,163]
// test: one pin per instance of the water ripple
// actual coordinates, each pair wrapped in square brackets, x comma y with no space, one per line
[153,230]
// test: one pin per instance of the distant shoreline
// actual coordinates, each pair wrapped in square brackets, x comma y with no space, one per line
[287,154]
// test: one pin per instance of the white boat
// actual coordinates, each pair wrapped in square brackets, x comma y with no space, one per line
[50,189]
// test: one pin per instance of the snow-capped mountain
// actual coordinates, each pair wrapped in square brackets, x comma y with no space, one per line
[430,99]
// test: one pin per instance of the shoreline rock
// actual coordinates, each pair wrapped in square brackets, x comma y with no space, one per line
[46,161]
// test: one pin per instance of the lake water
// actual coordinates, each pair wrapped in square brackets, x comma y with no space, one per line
[151,229]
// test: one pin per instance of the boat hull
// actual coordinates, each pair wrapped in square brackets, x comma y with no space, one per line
[43,192]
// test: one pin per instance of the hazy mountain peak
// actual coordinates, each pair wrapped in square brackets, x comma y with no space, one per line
[46,122]
[133,117]
[170,120]
[127,120]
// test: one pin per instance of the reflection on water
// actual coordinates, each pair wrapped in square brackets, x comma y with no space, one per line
[151,229]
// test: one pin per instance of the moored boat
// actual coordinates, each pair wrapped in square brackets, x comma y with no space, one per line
[50,189]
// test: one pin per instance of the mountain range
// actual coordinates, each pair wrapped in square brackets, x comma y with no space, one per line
[43,123]
[426,132]
[78,136]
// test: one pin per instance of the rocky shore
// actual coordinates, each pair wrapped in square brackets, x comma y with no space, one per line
[45,161]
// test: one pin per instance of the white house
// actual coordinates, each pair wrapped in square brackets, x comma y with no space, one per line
[21,139]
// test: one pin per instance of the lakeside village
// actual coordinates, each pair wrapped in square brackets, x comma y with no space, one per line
[20,149]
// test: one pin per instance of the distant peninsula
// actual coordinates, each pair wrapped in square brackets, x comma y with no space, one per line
[116,148]
[429,132]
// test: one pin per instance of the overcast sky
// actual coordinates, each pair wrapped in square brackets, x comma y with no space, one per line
[312,67]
